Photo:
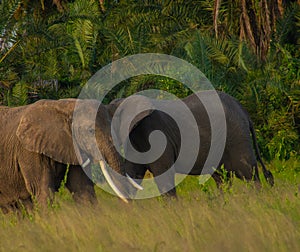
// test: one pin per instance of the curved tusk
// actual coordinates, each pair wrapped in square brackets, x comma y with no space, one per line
[110,182]
[86,163]
[136,185]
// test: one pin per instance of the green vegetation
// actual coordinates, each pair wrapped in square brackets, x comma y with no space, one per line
[202,219]
[249,49]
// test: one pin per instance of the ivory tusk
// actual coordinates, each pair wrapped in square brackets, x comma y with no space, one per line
[86,163]
[110,182]
[136,185]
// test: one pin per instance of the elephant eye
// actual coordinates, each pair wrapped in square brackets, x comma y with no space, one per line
[91,131]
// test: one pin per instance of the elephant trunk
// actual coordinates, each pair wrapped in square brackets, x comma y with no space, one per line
[115,176]
[110,182]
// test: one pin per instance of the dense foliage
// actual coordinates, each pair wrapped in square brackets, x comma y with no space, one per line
[249,49]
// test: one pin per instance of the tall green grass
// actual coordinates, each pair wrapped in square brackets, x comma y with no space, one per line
[202,219]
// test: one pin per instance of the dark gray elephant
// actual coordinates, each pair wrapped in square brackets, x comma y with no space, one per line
[37,142]
[238,156]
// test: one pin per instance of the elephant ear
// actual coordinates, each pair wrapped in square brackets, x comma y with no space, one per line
[45,128]
[128,113]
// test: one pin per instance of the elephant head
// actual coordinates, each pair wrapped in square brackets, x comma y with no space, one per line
[73,132]
[127,114]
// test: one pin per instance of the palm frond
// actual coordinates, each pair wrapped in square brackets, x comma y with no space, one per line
[8,37]
[286,27]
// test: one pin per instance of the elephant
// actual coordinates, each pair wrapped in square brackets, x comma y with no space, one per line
[39,141]
[240,145]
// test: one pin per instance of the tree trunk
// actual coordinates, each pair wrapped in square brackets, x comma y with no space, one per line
[257,22]
[216,16]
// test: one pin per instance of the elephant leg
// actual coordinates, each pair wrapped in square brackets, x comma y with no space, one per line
[80,185]
[15,206]
[166,185]
[25,204]
[8,208]
[37,171]
[248,172]
[245,168]
[164,176]
[221,178]
[240,160]
[218,179]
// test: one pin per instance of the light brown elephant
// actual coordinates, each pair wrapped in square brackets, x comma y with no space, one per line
[37,141]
